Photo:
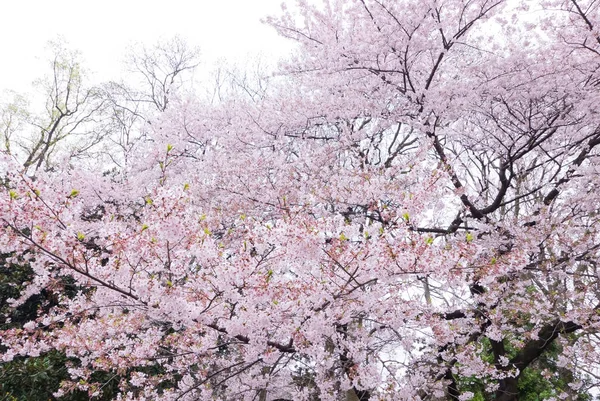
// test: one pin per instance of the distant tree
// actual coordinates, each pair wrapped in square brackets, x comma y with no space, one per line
[67,126]
[162,69]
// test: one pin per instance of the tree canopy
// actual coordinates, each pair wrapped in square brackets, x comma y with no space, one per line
[406,209]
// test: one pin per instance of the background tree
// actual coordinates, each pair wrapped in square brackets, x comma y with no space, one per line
[162,69]
[70,123]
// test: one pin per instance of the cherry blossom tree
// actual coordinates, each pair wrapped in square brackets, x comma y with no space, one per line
[409,211]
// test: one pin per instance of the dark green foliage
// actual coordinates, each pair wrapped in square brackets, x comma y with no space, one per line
[12,281]
[533,386]
[36,379]
[541,380]
[32,378]
[29,378]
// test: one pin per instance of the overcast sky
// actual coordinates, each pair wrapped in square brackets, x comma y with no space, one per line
[102,30]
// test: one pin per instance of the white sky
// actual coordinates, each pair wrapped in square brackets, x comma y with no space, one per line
[103,29]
